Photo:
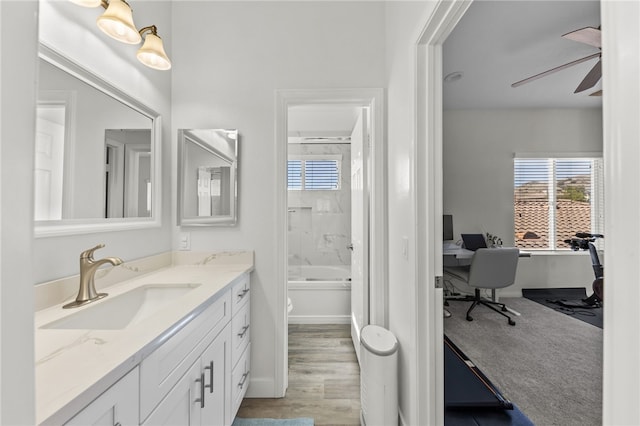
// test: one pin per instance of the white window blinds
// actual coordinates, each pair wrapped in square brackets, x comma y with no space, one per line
[313,174]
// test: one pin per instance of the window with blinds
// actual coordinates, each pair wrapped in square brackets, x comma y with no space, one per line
[313,174]
[554,198]
[294,174]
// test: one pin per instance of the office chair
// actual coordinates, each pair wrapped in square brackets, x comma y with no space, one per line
[490,269]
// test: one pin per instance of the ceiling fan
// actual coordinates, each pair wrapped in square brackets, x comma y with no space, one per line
[587,35]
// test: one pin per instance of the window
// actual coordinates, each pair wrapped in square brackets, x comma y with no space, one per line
[313,173]
[555,198]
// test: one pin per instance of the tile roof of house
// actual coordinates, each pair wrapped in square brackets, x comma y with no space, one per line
[532,216]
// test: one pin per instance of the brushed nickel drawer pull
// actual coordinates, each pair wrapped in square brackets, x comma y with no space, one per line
[244,331]
[210,368]
[244,379]
[243,293]
[201,399]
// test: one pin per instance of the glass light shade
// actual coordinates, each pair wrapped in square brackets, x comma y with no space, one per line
[152,53]
[87,3]
[117,22]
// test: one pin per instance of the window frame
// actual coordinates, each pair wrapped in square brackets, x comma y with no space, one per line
[596,195]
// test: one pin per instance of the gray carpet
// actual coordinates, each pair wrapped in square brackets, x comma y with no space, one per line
[549,364]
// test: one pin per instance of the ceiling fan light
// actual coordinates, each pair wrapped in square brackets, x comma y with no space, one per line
[117,22]
[87,3]
[152,53]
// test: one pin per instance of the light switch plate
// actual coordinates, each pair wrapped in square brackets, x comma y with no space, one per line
[185,241]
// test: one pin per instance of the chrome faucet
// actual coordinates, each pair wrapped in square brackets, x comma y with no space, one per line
[88,267]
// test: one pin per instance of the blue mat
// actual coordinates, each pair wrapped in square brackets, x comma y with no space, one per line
[302,421]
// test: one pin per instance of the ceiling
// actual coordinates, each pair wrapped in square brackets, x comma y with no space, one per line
[323,120]
[497,43]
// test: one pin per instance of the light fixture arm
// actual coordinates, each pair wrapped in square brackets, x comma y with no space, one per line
[151,28]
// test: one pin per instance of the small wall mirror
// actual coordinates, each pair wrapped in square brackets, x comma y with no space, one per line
[207,177]
[96,153]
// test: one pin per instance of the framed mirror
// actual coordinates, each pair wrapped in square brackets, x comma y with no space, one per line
[97,153]
[207,177]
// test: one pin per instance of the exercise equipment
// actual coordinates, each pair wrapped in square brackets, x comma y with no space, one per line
[584,241]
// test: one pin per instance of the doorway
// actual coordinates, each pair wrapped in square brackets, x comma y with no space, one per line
[429,150]
[319,206]
[372,302]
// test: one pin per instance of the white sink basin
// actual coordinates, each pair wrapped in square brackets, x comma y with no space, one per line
[124,310]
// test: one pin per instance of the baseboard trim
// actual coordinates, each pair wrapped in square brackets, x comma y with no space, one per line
[319,319]
[261,388]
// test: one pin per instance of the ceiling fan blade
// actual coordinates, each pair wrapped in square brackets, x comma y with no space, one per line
[587,35]
[591,79]
[556,69]
[597,93]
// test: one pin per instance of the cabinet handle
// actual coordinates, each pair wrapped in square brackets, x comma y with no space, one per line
[210,368]
[244,379]
[243,293]
[244,331]
[201,399]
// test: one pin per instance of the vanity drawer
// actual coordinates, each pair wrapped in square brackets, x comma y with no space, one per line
[161,370]
[240,293]
[241,332]
[240,380]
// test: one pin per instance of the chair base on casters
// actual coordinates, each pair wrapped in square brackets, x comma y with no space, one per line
[479,301]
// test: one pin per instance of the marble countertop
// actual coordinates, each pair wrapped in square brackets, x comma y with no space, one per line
[75,366]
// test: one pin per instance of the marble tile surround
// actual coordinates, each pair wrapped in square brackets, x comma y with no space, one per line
[63,290]
[320,221]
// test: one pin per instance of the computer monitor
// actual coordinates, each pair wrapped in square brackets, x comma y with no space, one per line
[447,227]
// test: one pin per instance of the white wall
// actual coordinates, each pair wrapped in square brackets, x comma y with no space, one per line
[229,58]
[115,62]
[404,20]
[18,40]
[478,178]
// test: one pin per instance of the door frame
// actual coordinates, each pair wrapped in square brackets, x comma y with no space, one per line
[428,210]
[374,99]
[620,109]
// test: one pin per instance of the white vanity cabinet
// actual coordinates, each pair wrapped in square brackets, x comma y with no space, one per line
[184,360]
[199,397]
[192,379]
[240,338]
[118,405]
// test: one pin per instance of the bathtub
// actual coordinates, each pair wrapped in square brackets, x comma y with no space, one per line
[320,294]
[320,273]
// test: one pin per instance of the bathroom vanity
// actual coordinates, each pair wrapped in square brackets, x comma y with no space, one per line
[169,346]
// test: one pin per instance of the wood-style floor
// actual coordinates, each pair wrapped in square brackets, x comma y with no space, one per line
[324,379]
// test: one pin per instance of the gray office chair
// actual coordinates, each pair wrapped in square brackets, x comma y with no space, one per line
[491,268]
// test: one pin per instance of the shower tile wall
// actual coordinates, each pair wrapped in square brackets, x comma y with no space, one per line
[320,221]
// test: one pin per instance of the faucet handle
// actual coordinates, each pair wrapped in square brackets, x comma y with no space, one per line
[88,254]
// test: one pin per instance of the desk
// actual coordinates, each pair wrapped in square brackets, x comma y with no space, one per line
[456,256]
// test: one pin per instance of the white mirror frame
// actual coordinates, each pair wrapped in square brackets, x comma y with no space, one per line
[229,154]
[85,226]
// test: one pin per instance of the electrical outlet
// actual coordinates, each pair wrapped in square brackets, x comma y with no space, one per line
[185,241]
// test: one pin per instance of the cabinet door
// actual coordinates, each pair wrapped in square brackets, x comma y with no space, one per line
[118,405]
[216,365]
[182,404]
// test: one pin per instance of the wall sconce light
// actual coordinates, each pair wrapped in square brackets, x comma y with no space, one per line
[117,22]
[152,51]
